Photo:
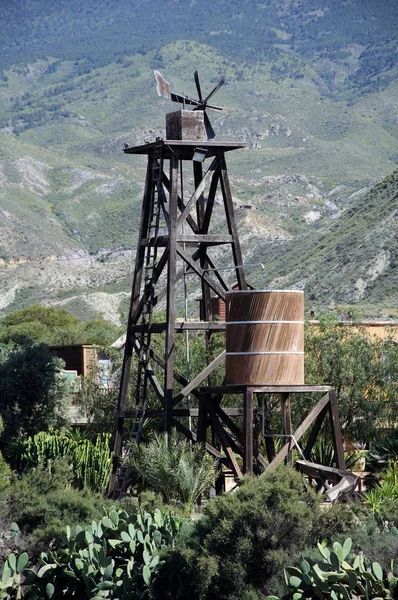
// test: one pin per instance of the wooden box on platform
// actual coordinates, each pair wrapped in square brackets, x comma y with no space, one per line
[186,125]
[265,337]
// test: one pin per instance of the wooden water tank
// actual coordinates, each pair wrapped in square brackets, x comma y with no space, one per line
[265,337]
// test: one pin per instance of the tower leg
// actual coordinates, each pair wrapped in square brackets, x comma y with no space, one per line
[171,294]
[248,432]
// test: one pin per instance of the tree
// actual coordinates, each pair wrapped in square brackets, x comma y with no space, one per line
[364,371]
[54,326]
[33,394]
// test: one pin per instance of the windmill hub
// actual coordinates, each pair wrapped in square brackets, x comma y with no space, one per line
[186,125]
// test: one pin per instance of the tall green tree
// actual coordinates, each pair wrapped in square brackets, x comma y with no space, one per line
[33,394]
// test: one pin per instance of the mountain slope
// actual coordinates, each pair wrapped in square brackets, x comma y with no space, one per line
[311,86]
[355,258]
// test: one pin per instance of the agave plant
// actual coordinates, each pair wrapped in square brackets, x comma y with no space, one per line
[179,471]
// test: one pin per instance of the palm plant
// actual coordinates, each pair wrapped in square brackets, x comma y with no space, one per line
[174,468]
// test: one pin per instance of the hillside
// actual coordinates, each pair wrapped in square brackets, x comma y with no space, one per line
[355,258]
[312,89]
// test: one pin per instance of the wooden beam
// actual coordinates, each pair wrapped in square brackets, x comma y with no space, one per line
[315,432]
[287,423]
[190,220]
[199,378]
[190,239]
[171,296]
[224,440]
[248,432]
[217,273]
[210,200]
[310,418]
[230,214]
[268,389]
[337,437]
[181,326]
[192,436]
[197,193]
[199,271]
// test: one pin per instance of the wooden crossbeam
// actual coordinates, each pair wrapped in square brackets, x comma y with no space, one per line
[199,378]
[225,442]
[310,418]
[199,271]
[192,435]
[197,193]
[190,220]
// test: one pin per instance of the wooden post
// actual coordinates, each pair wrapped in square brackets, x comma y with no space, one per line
[337,437]
[287,424]
[171,292]
[248,431]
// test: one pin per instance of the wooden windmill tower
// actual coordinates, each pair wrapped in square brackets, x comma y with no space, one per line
[181,233]
[173,240]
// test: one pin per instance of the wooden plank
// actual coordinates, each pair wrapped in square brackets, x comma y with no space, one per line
[210,200]
[181,412]
[171,296]
[185,149]
[269,389]
[310,418]
[314,432]
[230,214]
[199,271]
[337,437]
[190,239]
[224,441]
[190,220]
[192,436]
[181,326]
[287,423]
[248,432]
[197,193]
[199,378]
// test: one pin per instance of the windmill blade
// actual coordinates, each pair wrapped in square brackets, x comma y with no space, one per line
[209,129]
[196,76]
[183,99]
[162,86]
[163,90]
[220,83]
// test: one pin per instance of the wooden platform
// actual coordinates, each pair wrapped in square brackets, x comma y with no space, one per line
[185,149]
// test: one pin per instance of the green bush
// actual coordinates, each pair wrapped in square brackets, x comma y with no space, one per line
[42,501]
[241,543]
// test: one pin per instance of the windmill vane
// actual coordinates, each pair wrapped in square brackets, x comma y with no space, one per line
[163,90]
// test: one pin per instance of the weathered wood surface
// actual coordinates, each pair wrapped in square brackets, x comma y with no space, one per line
[185,125]
[265,337]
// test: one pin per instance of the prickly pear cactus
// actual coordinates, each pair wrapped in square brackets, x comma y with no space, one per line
[117,557]
[337,579]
